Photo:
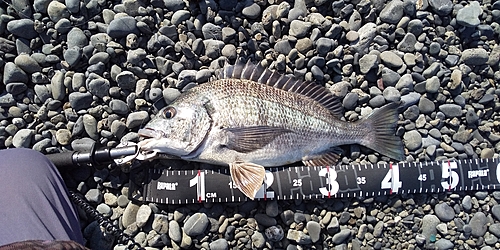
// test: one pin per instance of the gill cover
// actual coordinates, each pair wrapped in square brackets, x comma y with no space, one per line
[179,129]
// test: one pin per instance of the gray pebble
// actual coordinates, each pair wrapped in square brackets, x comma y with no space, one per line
[368,62]
[136,119]
[476,56]
[392,12]
[265,220]
[16,88]
[22,28]
[130,214]
[63,136]
[426,106]
[314,230]
[451,110]
[196,224]
[13,73]
[272,208]
[252,11]
[99,57]
[73,55]
[160,223]
[299,29]
[170,94]
[478,224]
[495,229]
[390,59]
[412,140]
[298,236]
[143,215]
[341,236]
[174,5]
[222,244]
[283,47]
[441,7]
[274,233]
[258,240]
[180,16]
[57,86]
[93,196]
[126,80]
[391,94]
[429,223]
[90,125]
[57,10]
[118,128]
[444,244]
[407,44]
[444,212]
[73,6]
[22,138]
[468,16]
[122,26]
[76,37]
[79,100]
[212,31]
[27,64]
[432,84]
[104,210]
[390,77]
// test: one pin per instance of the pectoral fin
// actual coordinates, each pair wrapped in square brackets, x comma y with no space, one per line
[327,159]
[248,177]
[248,139]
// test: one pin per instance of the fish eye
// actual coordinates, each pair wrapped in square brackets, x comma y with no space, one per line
[169,112]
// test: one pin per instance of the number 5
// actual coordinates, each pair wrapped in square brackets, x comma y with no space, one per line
[447,173]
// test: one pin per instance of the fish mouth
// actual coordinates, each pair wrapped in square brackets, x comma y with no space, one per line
[150,133]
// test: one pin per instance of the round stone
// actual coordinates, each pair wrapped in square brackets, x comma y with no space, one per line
[22,28]
[57,10]
[196,224]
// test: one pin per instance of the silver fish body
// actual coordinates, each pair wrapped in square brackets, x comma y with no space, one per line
[252,118]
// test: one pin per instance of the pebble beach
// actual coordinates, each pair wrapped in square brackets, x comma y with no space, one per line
[74,73]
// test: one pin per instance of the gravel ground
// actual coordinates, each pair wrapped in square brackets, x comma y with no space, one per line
[74,73]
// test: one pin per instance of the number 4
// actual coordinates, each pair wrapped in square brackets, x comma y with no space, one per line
[391,180]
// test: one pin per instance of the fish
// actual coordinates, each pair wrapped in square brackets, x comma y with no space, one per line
[250,117]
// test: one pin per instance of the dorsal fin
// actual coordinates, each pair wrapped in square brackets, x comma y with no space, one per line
[260,74]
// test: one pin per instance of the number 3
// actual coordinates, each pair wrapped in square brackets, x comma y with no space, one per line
[331,177]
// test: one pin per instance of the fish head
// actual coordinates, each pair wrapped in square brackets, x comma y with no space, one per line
[179,130]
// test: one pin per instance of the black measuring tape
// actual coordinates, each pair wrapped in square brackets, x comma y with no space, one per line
[366,180]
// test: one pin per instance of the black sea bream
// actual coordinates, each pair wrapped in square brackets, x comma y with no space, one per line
[251,118]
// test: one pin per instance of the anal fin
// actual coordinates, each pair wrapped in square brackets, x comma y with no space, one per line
[248,177]
[329,158]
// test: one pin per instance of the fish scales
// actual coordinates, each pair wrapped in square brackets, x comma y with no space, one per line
[244,103]
[250,124]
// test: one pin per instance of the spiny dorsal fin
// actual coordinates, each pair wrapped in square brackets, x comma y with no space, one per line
[260,74]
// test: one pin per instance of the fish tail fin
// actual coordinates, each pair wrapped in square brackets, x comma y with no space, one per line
[381,136]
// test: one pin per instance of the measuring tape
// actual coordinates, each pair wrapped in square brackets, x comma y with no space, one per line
[196,186]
